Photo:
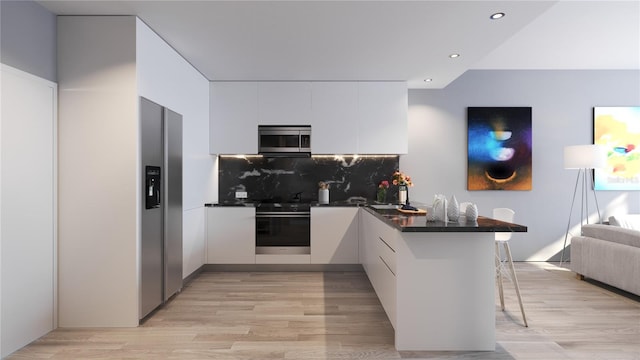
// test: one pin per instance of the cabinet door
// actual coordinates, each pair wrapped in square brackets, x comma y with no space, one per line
[231,235]
[233,115]
[335,117]
[366,232]
[334,235]
[379,260]
[382,118]
[284,103]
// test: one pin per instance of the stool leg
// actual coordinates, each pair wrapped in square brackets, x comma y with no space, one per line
[507,250]
[499,273]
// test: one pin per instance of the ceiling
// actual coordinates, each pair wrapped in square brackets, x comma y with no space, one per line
[384,40]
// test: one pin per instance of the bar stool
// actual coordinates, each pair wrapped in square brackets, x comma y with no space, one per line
[506,214]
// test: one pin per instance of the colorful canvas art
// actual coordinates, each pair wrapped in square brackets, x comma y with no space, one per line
[499,148]
[618,130]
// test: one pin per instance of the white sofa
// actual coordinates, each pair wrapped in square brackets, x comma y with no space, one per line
[610,253]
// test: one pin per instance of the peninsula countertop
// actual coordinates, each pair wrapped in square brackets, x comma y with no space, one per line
[418,223]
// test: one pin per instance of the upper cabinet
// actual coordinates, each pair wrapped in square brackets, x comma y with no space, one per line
[382,118]
[345,117]
[233,128]
[334,123]
[284,103]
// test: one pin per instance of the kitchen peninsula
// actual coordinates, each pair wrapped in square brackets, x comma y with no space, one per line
[435,280]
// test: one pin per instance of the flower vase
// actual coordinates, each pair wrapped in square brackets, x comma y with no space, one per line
[381,196]
[323,196]
[403,195]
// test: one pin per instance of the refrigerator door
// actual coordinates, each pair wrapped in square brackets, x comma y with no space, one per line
[151,219]
[173,203]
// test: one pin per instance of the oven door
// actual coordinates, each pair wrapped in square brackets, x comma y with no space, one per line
[283,233]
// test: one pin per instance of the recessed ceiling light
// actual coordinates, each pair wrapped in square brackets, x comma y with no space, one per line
[453,56]
[497,16]
[428,80]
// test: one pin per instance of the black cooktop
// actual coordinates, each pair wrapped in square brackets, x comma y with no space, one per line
[282,206]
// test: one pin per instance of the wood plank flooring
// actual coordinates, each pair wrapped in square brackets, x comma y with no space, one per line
[336,315]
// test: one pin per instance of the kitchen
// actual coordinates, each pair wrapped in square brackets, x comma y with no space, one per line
[108,232]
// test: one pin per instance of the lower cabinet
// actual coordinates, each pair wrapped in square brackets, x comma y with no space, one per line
[378,257]
[231,234]
[282,259]
[334,235]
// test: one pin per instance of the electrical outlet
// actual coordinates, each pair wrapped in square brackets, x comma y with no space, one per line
[241,194]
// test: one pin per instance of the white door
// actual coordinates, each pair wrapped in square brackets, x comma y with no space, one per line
[27,211]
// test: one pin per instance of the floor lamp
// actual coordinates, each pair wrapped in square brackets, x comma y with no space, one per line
[583,158]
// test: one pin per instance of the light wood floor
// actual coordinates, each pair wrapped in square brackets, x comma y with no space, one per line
[313,315]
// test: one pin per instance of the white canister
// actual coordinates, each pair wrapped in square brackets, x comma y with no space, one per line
[323,196]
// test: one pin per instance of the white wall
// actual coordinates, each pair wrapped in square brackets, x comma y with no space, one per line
[562,103]
[169,80]
[28,38]
[28,208]
[98,147]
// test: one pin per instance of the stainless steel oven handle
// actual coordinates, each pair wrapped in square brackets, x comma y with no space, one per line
[283,214]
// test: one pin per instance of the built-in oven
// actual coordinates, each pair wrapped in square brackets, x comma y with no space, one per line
[283,229]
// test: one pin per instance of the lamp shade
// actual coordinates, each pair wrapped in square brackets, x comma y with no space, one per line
[585,157]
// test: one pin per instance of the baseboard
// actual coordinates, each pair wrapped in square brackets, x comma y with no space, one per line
[281,267]
[193,275]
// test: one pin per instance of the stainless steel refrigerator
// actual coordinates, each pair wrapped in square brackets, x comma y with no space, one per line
[161,217]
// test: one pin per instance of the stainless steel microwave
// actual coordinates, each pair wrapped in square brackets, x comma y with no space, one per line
[278,140]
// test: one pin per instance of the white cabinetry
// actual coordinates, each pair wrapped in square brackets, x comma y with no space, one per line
[378,257]
[425,281]
[335,118]
[346,117]
[28,208]
[284,103]
[231,235]
[382,118]
[233,128]
[282,259]
[334,235]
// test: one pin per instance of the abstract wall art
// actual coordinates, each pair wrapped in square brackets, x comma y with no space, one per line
[499,148]
[617,128]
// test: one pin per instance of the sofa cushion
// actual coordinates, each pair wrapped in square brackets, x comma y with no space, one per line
[628,221]
[615,234]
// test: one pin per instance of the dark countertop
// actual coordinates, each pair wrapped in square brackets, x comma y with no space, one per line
[231,204]
[418,223]
[343,203]
[407,222]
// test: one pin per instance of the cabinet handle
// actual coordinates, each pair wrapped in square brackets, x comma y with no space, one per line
[385,264]
[381,239]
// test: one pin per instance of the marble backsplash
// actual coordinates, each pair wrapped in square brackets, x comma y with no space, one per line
[281,178]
